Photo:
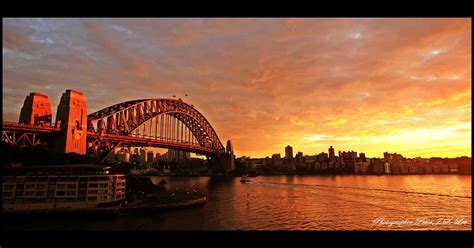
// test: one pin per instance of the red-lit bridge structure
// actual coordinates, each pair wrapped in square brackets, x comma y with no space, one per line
[160,122]
[27,135]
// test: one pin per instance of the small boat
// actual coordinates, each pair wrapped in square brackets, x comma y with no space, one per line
[244,179]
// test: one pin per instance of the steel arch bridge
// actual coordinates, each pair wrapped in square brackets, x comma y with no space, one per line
[159,122]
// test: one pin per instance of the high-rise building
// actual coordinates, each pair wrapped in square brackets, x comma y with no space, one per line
[176,155]
[149,156]
[331,153]
[289,152]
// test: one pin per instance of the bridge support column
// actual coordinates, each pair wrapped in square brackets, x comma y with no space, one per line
[71,117]
[226,162]
[223,163]
[36,110]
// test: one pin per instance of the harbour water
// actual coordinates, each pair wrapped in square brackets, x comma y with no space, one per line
[343,202]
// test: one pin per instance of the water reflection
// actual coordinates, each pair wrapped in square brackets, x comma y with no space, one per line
[301,203]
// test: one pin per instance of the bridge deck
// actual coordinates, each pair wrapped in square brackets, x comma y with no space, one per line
[137,141]
[12,126]
[140,141]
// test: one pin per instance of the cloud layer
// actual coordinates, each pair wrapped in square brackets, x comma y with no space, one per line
[371,85]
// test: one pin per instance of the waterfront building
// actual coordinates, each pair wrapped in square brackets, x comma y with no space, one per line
[394,167]
[299,157]
[349,158]
[378,167]
[426,168]
[403,167]
[324,165]
[464,165]
[387,168]
[268,161]
[453,168]
[339,163]
[317,165]
[61,186]
[310,158]
[361,167]
[323,157]
[362,157]
[391,157]
[411,166]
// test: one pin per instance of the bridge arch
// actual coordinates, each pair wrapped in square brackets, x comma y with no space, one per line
[125,119]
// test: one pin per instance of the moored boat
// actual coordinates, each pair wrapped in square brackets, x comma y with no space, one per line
[244,179]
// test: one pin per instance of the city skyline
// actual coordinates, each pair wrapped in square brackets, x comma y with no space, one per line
[283,151]
[370,85]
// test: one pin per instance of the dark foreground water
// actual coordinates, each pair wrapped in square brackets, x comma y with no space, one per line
[408,202]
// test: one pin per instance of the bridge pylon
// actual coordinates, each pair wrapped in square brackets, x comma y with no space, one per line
[223,162]
[71,117]
[36,110]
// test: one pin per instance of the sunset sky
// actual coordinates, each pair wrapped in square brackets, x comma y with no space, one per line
[368,85]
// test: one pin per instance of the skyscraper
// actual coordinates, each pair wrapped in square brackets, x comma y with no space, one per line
[289,152]
[331,153]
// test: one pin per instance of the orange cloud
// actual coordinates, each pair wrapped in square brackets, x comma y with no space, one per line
[371,84]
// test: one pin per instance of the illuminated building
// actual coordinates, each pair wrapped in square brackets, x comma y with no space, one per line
[61,186]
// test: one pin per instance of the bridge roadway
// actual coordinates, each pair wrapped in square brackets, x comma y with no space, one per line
[13,126]
[130,140]
[152,142]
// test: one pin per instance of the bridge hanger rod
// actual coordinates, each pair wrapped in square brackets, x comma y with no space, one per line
[156,126]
